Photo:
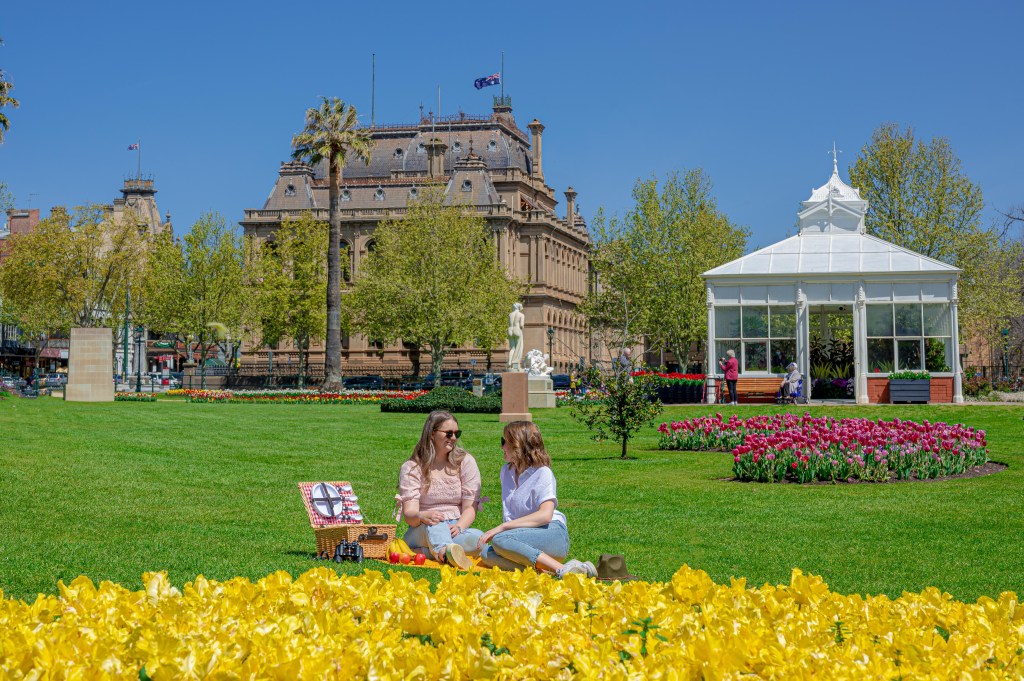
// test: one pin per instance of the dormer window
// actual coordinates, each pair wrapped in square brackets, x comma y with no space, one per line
[289,190]
[399,153]
[467,185]
[421,148]
[413,193]
[457,147]
[492,145]
[379,194]
[346,195]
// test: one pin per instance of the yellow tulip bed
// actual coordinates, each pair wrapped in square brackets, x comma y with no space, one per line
[500,625]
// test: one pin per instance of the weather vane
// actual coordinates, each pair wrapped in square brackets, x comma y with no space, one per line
[835,157]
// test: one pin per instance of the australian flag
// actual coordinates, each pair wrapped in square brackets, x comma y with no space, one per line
[133,147]
[493,79]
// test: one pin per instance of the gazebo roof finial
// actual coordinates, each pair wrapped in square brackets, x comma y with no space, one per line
[835,158]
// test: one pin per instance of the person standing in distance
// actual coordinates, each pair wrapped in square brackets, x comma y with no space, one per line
[730,367]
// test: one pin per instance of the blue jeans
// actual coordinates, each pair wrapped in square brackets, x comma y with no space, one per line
[432,540]
[519,548]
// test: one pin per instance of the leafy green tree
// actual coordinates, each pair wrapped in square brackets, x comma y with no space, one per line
[648,264]
[629,403]
[72,270]
[292,275]
[433,280]
[921,199]
[196,289]
[5,100]
[331,134]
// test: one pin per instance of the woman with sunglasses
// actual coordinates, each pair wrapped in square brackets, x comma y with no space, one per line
[439,490]
[533,533]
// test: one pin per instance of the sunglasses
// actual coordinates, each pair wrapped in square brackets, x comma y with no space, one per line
[450,433]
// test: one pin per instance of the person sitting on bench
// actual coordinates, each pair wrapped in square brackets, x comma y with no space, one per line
[791,382]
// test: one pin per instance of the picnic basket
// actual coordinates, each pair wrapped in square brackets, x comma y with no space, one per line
[374,538]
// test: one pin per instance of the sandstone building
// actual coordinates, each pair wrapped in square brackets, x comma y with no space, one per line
[485,162]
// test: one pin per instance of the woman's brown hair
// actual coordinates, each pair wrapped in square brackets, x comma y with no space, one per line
[424,454]
[526,446]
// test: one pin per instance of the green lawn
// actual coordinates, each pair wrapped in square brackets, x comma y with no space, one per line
[113,490]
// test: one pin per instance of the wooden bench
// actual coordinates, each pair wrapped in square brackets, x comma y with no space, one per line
[762,389]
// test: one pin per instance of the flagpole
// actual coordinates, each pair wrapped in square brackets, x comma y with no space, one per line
[373,90]
[138,145]
[503,77]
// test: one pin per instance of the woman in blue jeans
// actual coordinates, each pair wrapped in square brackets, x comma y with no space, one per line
[533,533]
[439,490]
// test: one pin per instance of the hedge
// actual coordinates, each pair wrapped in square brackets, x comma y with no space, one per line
[448,398]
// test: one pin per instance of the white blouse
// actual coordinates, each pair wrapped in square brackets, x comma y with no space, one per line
[536,485]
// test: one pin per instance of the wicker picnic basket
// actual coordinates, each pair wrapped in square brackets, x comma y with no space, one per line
[374,539]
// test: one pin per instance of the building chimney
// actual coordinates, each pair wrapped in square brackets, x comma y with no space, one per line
[536,129]
[570,207]
[435,158]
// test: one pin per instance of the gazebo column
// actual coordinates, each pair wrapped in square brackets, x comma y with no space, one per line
[954,318]
[860,347]
[803,349]
[711,345]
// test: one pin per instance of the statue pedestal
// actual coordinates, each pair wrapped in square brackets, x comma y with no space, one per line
[542,394]
[514,397]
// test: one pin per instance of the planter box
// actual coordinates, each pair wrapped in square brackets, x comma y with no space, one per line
[903,390]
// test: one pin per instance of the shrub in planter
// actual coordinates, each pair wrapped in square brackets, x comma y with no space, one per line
[448,398]
[910,386]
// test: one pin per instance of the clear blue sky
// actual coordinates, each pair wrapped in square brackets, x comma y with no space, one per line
[753,92]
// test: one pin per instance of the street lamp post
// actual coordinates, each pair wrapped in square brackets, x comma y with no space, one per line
[1006,354]
[140,358]
[551,342]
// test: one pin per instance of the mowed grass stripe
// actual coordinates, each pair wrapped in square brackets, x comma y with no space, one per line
[113,490]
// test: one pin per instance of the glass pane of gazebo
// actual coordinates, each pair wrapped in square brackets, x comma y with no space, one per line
[908,320]
[880,355]
[755,356]
[783,352]
[727,322]
[879,320]
[909,355]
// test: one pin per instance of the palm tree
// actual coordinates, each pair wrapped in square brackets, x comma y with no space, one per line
[5,100]
[331,134]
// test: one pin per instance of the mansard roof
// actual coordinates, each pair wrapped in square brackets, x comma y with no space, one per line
[495,139]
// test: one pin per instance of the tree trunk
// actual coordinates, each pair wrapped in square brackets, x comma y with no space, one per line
[625,443]
[437,361]
[332,354]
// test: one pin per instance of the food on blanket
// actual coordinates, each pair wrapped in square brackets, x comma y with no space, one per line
[394,557]
[420,559]
[405,558]
[404,548]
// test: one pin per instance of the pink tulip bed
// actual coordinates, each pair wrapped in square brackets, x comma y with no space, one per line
[777,447]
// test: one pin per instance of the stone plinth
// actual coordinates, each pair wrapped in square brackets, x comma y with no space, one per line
[542,394]
[90,366]
[514,397]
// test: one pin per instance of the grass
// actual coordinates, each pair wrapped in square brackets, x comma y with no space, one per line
[113,490]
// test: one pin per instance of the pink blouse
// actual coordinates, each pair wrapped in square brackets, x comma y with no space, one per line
[445,493]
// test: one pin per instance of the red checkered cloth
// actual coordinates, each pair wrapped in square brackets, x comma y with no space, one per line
[315,519]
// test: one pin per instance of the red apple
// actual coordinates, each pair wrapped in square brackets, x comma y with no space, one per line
[420,559]
[393,557]
[405,558]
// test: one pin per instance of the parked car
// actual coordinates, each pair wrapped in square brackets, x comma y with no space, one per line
[363,382]
[560,381]
[56,380]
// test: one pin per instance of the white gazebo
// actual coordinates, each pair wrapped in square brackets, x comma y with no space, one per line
[903,304]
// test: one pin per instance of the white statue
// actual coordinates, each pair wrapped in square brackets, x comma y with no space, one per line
[538,363]
[516,321]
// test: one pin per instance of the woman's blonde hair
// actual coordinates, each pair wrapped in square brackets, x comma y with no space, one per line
[424,454]
[526,446]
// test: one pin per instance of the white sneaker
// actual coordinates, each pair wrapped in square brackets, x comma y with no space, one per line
[575,567]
